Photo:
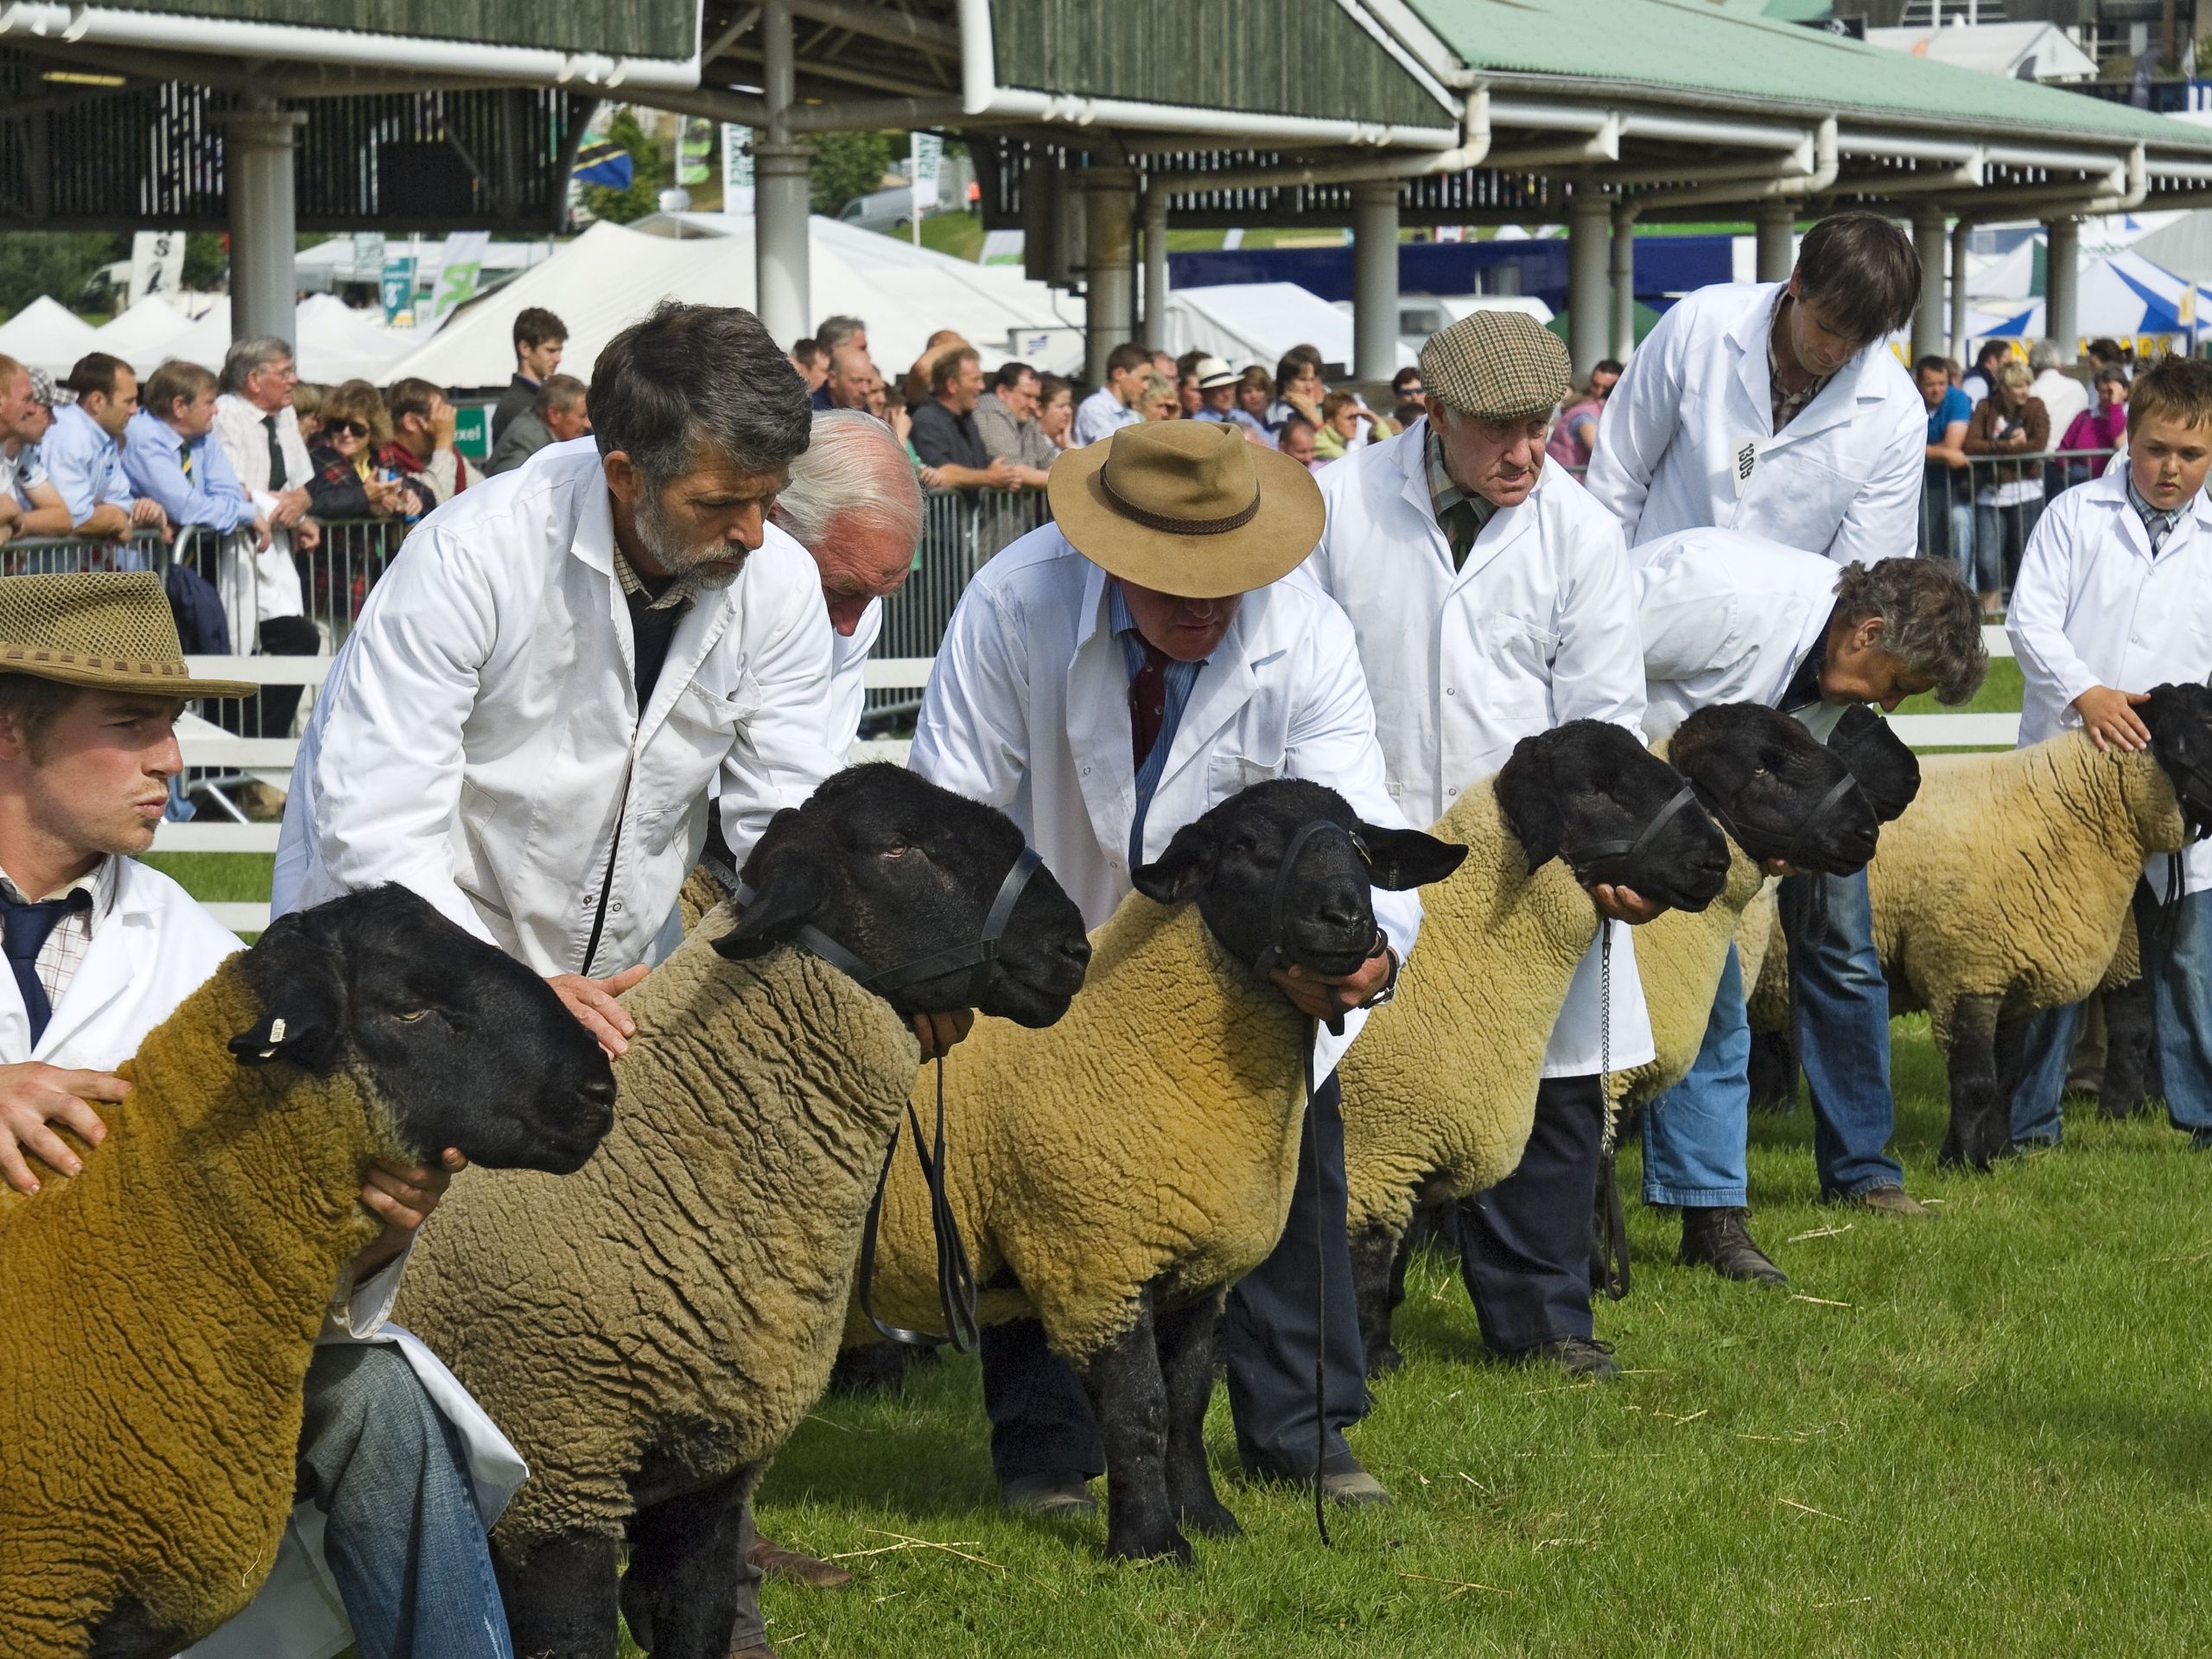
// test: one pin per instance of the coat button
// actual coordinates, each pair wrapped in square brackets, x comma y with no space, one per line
[616,907]
[1086,771]
[1451,690]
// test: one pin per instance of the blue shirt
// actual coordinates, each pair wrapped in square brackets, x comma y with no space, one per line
[84,464]
[1250,423]
[1180,677]
[192,478]
[1955,406]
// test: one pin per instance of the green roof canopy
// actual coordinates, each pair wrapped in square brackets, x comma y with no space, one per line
[650,29]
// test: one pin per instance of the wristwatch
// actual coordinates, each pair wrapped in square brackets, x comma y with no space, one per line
[1390,985]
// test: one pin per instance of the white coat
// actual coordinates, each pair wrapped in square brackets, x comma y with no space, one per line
[1728,618]
[848,655]
[1688,438]
[259,584]
[153,948]
[1027,710]
[2092,606]
[1537,628]
[478,740]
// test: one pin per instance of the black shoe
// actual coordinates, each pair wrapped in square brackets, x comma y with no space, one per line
[1718,1239]
[1578,1356]
[1058,1495]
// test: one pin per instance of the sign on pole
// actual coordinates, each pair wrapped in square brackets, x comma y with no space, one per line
[695,148]
[737,169]
[397,289]
[924,155]
[458,272]
[368,256]
[156,264]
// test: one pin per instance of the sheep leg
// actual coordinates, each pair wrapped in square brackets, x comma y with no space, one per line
[2127,1050]
[1378,1283]
[1980,1127]
[1185,1339]
[560,1596]
[1129,1397]
[688,1576]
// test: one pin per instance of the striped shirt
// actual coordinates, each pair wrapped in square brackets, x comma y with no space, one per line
[63,953]
[1181,678]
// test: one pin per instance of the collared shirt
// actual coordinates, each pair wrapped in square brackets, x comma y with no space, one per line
[20,472]
[1786,405]
[1180,677]
[63,953]
[2157,522]
[84,464]
[1251,423]
[1804,688]
[653,622]
[1101,415]
[190,477]
[1460,514]
[945,438]
[1011,438]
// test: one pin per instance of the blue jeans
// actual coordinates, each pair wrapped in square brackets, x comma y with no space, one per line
[1695,1135]
[2001,536]
[1842,1009]
[2179,967]
[405,1541]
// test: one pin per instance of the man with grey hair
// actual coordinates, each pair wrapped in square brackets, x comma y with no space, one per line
[2062,396]
[844,342]
[556,414]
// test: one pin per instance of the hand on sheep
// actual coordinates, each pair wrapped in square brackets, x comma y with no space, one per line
[591,1000]
[34,1095]
[402,1196]
[938,1032]
[1319,998]
[1624,903]
[2110,719]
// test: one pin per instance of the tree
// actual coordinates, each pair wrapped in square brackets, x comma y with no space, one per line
[849,164]
[57,263]
[649,172]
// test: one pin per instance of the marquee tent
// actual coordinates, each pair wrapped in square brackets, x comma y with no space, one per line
[142,335]
[330,342]
[2124,296]
[1244,323]
[47,334]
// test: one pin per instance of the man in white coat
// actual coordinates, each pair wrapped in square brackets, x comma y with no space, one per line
[1491,601]
[2114,596]
[1728,617]
[1778,408]
[104,953]
[1105,680]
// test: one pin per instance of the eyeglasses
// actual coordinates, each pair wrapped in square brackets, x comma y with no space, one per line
[352,428]
[1416,389]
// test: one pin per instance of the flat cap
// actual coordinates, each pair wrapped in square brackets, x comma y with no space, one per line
[1493,364]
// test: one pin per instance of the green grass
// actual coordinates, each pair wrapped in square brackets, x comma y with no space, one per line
[1984,1434]
[219,878]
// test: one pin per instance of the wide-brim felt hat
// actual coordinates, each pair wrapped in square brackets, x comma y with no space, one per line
[1189,508]
[112,630]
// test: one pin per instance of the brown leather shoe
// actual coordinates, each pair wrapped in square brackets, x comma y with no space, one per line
[1892,1201]
[796,1565]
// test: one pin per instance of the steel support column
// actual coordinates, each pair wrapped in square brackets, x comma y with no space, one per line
[1930,242]
[1962,233]
[1155,267]
[1589,257]
[1375,280]
[1776,229]
[2061,284]
[1624,283]
[259,146]
[1109,277]
[782,192]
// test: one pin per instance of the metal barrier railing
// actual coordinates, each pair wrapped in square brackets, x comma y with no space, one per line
[961,530]
[41,556]
[1980,515]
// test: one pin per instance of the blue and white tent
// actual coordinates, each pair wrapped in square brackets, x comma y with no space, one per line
[2123,295]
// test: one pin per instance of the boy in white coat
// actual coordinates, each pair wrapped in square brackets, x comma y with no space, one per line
[2114,596]
[105,953]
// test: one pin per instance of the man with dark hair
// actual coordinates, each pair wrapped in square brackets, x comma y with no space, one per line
[540,338]
[83,458]
[1977,381]
[421,450]
[812,359]
[559,413]
[1008,420]
[1947,485]
[945,437]
[1113,405]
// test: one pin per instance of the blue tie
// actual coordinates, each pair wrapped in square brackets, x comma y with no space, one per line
[27,926]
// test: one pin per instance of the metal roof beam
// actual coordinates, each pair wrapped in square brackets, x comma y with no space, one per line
[883,23]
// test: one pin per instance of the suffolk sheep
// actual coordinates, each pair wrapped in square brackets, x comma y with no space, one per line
[1441,1089]
[162,1307]
[1113,1176]
[2004,888]
[649,1333]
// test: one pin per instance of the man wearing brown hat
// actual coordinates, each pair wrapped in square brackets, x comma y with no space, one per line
[1492,600]
[100,949]
[1106,679]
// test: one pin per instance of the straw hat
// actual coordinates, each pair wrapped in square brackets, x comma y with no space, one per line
[1186,507]
[1213,372]
[112,630]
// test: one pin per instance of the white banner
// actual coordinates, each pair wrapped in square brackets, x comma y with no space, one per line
[737,169]
[156,264]
[925,156]
[459,272]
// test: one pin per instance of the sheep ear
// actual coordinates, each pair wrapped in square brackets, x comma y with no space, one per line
[1179,872]
[1528,796]
[790,895]
[290,969]
[1398,859]
[294,1030]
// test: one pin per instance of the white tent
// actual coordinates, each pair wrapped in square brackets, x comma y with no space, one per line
[1245,323]
[142,335]
[46,334]
[330,341]
[2033,51]
[610,277]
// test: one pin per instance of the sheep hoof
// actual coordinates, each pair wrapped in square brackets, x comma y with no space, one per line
[1210,1519]
[1383,1360]
[1174,1549]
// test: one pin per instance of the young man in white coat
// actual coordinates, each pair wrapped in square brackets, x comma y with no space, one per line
[1778,408]
[1105,680]
[1492,599]
[2114,596]
[104,952]
[1732,618]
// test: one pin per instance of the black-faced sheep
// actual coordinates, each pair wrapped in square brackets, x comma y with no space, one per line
[2005,886]
[161,1307]
[650,1332]
[1441,1089]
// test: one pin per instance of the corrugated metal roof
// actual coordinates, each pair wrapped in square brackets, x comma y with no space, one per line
[657,28]
[1717,47]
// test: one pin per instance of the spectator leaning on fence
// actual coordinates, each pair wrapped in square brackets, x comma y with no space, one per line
[540,338]
[812,359]
[346,483]
[1157,398]
[2008,494]
[29,505]
[1056,412]
[169,457]
[82,457]
[559,412]
[1113,405]
[945,435]
[1946,484]
[259,430]
[2096,434]
[844,348]
[1218,385]
[1006,416]
[2062,396]
[422,448]
[1299,388]
[307,404]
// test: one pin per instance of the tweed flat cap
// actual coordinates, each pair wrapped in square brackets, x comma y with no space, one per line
[1494,364]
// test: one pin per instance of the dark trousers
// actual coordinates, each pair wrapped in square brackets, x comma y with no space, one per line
[1040,1418]
[269,714]
[1525,1245]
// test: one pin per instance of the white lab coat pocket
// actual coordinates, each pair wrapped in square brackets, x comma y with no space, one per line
[1515,672]
[1230,774]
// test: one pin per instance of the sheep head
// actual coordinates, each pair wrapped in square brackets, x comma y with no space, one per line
[895,869]
[1887,770]
[2180,719]
[457,1043]
[1774,787]
[1230,858]
[1588,792]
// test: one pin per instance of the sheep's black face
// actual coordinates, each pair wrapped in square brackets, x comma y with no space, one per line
[465,1046]
[1770,784]
[896,869]
[1589,793]
[2180,719]
[1886,770]
[1231,859]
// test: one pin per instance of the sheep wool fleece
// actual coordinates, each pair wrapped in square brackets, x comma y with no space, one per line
[1680,955]
[2010,874]
[161,1309]
[675,1304]
[1151,1136]
[1440,1090]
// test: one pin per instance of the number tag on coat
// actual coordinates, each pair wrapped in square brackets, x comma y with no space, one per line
[1746,459]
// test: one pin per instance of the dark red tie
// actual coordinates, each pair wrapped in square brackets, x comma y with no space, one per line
[1147,701]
